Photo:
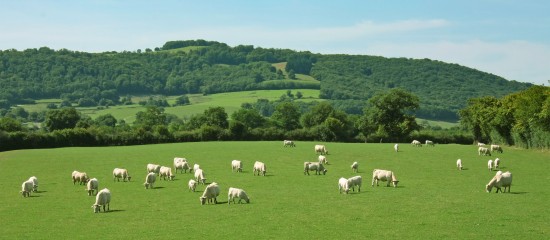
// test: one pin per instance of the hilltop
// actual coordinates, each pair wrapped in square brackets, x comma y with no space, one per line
[206,67]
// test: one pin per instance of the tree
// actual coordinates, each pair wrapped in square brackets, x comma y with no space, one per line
[389,113]
[58,119]
[287,114]
[478,115]
[182,100]
[216,116]
[106,120]
[151,117]
[10,125]
[291,74]
[250,118]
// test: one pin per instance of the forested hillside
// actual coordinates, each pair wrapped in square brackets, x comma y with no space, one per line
[198,66]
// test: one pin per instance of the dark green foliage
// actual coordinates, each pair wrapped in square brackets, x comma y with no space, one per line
[59,119]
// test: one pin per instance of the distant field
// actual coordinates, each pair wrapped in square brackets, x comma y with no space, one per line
[434,200]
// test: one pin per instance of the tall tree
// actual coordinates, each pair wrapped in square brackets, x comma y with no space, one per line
[58,119]
[287,114]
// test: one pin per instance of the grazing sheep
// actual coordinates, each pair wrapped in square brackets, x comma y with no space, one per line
[355,167]
[103,198]
[490,165]
[497,148]
[416,143]
[480,144]
[355,181]
[195,167]
[323,159]
[429,143]
[166,172]
[34,183]
[314,166]
[119,173]
[288,143]
[497,163]
[80,177]
[92,185]
[260,168]
[210,192]
[498,181]
[153,168]
[483,151]
[26,188]
[321,149]
[396,147]
[236,193]
[343,185]
[192,184]
[150,180]
[199,176]
[236,165]
[183,166]
[459,164]
[384,175]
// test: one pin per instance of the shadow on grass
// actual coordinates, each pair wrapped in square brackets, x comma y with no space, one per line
[517,192]
[40,191]
[116,210]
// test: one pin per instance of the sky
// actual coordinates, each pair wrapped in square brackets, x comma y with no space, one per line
[508,38]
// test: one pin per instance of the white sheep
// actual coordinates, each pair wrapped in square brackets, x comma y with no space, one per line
[498,181]
[153,168]
[490,165]
[150,180]
[92,185]
[355,167]
[26,188]
[259,167]
[416,143]
[322,159]
[321,149]
[119,173]
[192,185]
[166,172]
[103,198]
[237,193]
[355,181]
[459,164]
[384,175]
[396,147]
[199,176]
[236,165]
[343,185]
[34,183]
[497,148]
[210,192]
[183,166]
[429,143]
[497,163]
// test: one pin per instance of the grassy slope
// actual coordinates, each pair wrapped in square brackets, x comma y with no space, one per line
[434,200]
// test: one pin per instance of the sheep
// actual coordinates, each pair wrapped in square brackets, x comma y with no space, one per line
[166,172]
[119,173]
[236,165]
[192,185]
[103,198]
[150,180]
[480,144]
[34,183]
[314,166]
[355,181]
[396,147]
[179,159]
[497,163]
[236,193]
[384,175]
[195,167]
[26,188]
[490,165]
[153,168]
[288,143]
[210,192]
[497,148]
[322,159]
[429,143]
[459,164]
[321,149]
[80,177]
[498,181]
[199,176]
[260,168]
[92,185]
[483,151]
[416,143]
[355,167]
[183,166]
[343,185]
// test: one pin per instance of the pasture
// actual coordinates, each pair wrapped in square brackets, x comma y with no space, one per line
[433,198]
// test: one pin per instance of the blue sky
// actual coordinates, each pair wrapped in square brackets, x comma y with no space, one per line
[509,38]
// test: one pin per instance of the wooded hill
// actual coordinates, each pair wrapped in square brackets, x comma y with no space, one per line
[199,66]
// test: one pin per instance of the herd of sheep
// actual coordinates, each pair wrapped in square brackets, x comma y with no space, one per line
[212,190]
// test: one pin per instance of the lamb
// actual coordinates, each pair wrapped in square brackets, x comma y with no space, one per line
[343,185]
[323,159]
[496,163]
[103,198]
[211,192]
[92,185]
[236,165]
[497,148]
[321,149]
[355,181]
[500,180]
[153,168]
[150,180]
[288,143]
[192,184]
[119,173]
[166,172]
[26,188]
[236,193]
[199,176]
[483,151]
[490,165]
[384,175]
[396,147]
[259,167]
[459,164]
[314,166]
[34,183]
[355,167]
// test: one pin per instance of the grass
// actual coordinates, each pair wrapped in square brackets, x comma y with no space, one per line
[433,199]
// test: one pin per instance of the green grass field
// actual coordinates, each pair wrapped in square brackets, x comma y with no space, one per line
[434,200]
